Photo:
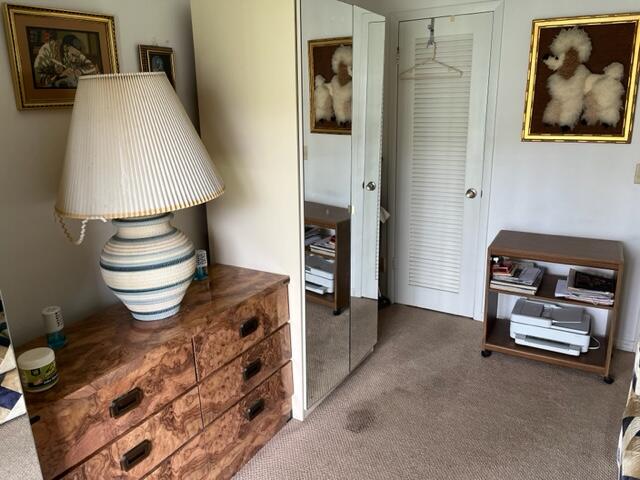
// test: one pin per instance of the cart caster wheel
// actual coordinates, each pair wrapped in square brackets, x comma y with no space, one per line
[337,312]
[608,380]
[485,353]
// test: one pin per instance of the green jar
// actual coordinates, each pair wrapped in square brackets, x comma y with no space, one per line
[38,371]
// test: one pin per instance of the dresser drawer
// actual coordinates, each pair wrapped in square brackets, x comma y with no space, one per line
[78,425]
[230,441]
[228,334]
[190,462]
[234,438]
[227,385]
[138,451]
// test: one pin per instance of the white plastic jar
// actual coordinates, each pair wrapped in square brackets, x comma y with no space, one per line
[38,371]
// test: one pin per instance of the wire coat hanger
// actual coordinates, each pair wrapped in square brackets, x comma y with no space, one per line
[430,43]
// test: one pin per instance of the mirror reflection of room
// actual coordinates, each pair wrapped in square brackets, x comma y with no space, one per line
[341,102]
[327,30]
[19,458]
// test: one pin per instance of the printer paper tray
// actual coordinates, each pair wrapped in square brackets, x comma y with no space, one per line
[549,345]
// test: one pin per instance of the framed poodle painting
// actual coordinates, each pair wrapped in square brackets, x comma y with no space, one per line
[330,85]
[583,79]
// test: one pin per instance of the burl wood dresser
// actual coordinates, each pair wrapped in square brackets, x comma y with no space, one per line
[190,397]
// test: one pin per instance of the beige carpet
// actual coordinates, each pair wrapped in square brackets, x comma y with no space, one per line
[18,459]
[327,349]
[426,405]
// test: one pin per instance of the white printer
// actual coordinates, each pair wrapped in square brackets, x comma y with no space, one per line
[551,327]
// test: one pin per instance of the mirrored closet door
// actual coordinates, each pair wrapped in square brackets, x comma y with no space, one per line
[343,64]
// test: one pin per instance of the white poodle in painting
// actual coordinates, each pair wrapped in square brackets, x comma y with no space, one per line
[603,96]
[341,86]
[569,50]
[322,100]
[342,97]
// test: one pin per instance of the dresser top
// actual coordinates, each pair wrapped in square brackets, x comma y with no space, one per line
[100,343]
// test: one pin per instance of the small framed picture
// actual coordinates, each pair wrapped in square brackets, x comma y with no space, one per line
[50,49]
[583,79]
[330,85]
[158,59]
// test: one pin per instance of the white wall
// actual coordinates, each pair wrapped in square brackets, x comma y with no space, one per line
[569,189]
[249,123]
[572,189]
[38,267]
[327,167]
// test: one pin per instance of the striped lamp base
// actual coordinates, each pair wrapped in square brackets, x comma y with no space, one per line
[148,265]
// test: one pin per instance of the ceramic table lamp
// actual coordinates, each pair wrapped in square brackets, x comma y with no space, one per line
[133,157]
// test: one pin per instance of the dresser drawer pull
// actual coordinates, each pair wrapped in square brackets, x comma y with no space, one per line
[126,402]
[252,369]
[134,456]
[248,327]
[255,409]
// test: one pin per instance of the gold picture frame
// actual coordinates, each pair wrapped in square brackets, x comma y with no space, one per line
[49,49]
[612,39]
[158,59]
[320,55]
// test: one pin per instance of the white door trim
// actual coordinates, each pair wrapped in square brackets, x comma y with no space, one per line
[391,105]
[299,351]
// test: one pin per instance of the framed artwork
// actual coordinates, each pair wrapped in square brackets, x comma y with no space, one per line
[158,59]
[330,85]
[583,79]
[50,49]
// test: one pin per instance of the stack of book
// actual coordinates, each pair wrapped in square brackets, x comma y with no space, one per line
[313,234]
[517,277]
[318,274]
[325,246]
[587,287]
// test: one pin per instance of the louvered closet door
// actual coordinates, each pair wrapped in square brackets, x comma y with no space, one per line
[441,129]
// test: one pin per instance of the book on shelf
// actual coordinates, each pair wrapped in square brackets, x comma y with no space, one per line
[326,246]
[562,291]
[526,279]
[589,284]
[503,268]
[314,234]
[322,251]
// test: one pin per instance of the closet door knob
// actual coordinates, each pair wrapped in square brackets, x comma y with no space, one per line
[471,193]
[370,186]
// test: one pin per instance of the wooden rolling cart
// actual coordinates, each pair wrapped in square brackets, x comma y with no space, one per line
[573,251]
[339,220]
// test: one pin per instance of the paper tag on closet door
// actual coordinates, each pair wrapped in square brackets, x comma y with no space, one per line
[636,179]
[452,19]
[305,153]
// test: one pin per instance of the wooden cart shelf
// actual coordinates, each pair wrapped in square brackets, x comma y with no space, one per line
[546,292]
[499,340]
[339,220]
[573,251]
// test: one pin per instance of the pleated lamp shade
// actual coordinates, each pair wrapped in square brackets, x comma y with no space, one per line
[132,151]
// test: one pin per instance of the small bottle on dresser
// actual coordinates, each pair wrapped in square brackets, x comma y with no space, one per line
[201,265]
[54,325]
